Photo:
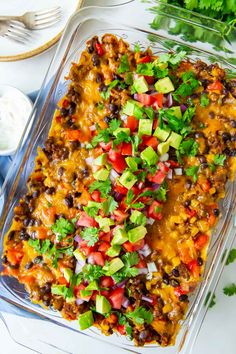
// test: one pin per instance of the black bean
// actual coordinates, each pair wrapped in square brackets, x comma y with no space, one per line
[47,302]
[31,208]
[174,283]
[99,78]
[37,222]
[233,123]
[226,136]
[11,235]
[29,265]
[72,108]
[38,260]
[50,190]
[175,272]
[46,289]
[4,260]
[204,165]
[95,60]
[27,198]
[107,119]
[35,194]
[188,184]
[85,172]
[187,203]
[212,114]
[74,145]
[63,112]
[61,171]
[24,236]
[14,266]
[216,212]
[202,159]
[199,135]
[77,194]
[165,279]
[26,222]
[232,152]
[226,151]
[115,76]
[33,235]
[102,87]
[90,49]
[113,108]
[199,261]
[183,298]
[143,335]
[233,138]
[69,201]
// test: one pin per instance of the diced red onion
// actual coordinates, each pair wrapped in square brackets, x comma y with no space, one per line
[125,303]
[92,127]
[150,221]
[148,299]
[178,171]
[123,117]
[77,238]
[169,100]
[146,250]
[79,266]
[183,107]
[120,285]
[152,267]
[164,157]
[79,301]
[91,259]
[155,186]
[170,174]
[89,161]
[142,271]
[135,96]
[114,175]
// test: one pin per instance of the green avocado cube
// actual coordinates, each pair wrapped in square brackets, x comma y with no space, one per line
[104,223]
[127,179]
[149,156]
[164,85]
[93,285]
[113,251]
[67,272]
[163,148]
[176,111]
[114,265]
[141,85]
[79,255]
[101,160]
[131,162]
[161,134]
[129,107]
[137,234]
[103,306]
[119,130]
[138,218]
[145,127]
[174,140]
[120,237]
[101,175]
[86,320]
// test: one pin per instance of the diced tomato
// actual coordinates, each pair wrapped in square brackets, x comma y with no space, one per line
[106,282]
[14,256]
[180,291]
[118,188]
[159,99]
[141,264]
[145,99]
[107,146]
[158,178]
[104,247]
[120,215]
[194,268]
[154,210]
[74,135]
[77,293]
[105,293]
[99,49]
[217,85]
[147,198]
[152,141]
[117,161]
[173,163]
[145,59]
[150,79]
[132,123]
[96,196]
[126,149]
[190,212]
[121,329]
[211,220]
[87,250]
[85,220]
[116,298]
[163,167]
[98,258]
[62,281]
[113,155]
[155,124]
[132,247]
[94,295]
[105,236]
[200,241]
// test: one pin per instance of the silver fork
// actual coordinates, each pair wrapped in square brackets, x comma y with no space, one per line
[14,31]
[37,19]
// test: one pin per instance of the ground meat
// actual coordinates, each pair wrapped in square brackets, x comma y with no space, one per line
[55,151]
[183,271]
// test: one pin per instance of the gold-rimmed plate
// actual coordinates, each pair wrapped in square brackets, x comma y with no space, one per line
[40,40]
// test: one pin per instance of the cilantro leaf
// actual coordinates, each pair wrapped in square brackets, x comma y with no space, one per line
[121,137]
[129,197]
[92,272]
[161,193]
[192,171]
[102,136]
[106,94]
[113,125]
[35,244]
[219,160]
[124,64]
[145,69]
[135,141]
[129,79]
[231,257]
[92,209]
[213,300]
[109,206]
[136,48]
[103,186]
[189,113]
[130,259]
[189,147]
[90,234]
[140,316]
[204,100]
[60,290]
[45,246]
[230,290]
[160,73]
[138,205]
[188,86]
[63,227]
[124,273]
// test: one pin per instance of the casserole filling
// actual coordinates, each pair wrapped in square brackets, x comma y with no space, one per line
[114,229]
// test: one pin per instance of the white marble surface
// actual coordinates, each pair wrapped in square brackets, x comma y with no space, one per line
[217,335]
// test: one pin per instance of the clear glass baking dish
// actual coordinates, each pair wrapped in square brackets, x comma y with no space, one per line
[83,25]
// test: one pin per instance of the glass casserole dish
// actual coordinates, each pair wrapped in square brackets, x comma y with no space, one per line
[83,25]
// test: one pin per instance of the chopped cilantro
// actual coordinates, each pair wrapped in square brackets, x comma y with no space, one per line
[149,112]
[219,160]
[231,257]
[100,106]
[188,86]
[188,147]
[172,58]
[136,48]
[140,316]
[109,206]
[130,259]
[121,137]
[104,187]
[135,141]
[138,205]
[124,64]
[129,197]
[63,227]
[128,271]
[160,73]
[213,299]
[189,113]
[230,290]
[35,244]
[90,234]
[92,210]
[212,167]
[161,193]
[106,94]
[92,272]
[45,246]
[204,100]
[145,69]
[129,79]
[61,290]
[192,171]
[103,136]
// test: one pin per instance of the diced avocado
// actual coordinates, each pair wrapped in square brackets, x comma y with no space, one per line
[138,218]
[119,130]
[141,85]
[161,66]
[113,251]
[145,127]
[59,290]
[67,272]
[129,107]
[174,140]
[104,223]
[161,134]
[128,179]
[149,156]
[86,320]
[101,160]
[114,265]
[101,175]
[85,294]
[79,255]
[163,147]
[164,85]
[137,234]
[93,285]
[92,204]
[103,306]
[176,111]
[131,163]
[120,237]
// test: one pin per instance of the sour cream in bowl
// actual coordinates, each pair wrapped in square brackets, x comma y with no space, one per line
[15,109]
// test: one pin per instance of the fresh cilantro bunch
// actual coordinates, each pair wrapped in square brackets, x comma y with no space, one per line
[63,227]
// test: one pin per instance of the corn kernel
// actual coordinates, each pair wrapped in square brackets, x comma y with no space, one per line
[212,190]
[174,234]
[194,231]
[194,203]
[167,308]
[148,285]
[168,268]
[203,225]
[175,261]
[192,220]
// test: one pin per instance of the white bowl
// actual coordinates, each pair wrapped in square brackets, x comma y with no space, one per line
[5,89]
